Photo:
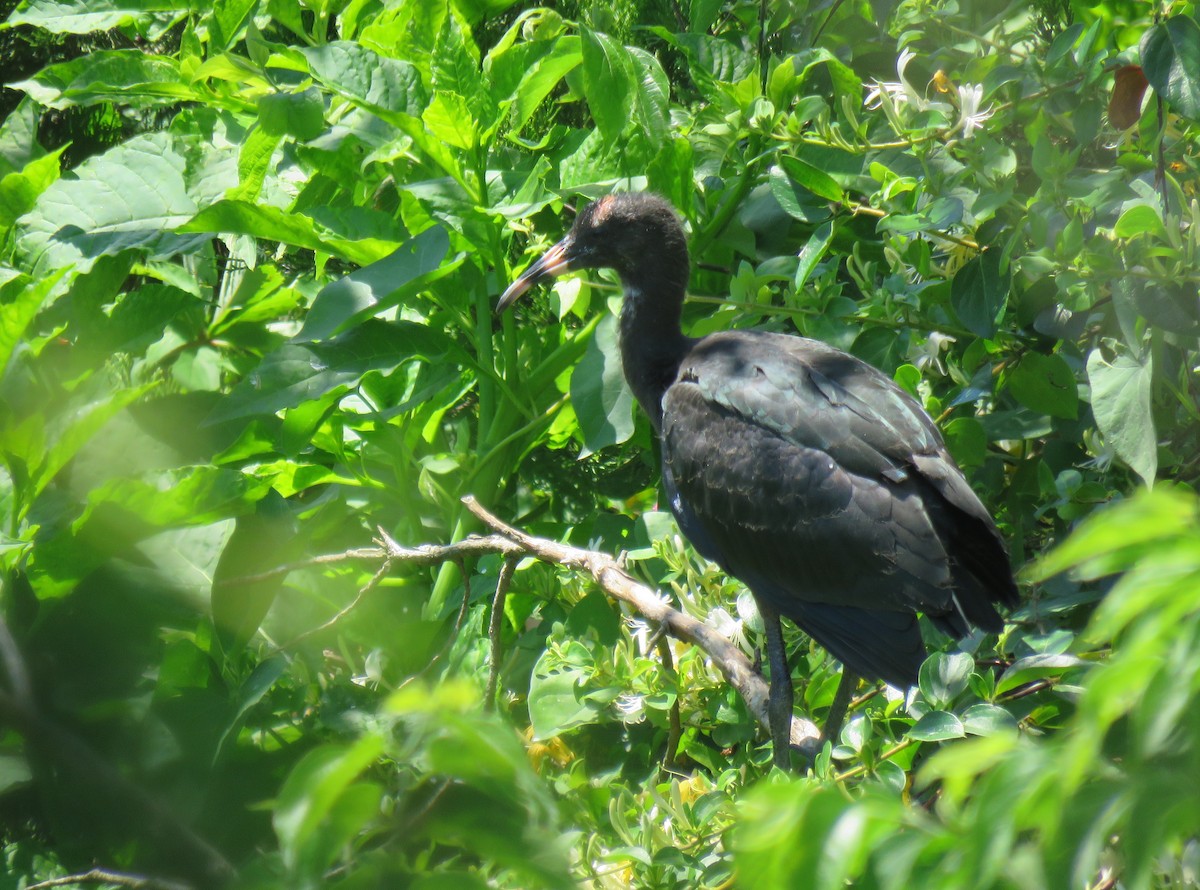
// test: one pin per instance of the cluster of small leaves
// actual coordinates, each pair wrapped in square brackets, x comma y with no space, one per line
[253,323]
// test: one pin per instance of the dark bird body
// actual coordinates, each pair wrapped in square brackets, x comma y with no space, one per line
[798,468]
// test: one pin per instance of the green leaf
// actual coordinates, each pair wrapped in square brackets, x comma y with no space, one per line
[86,16]
[1141,219]
[979,293]
[374,82]
[1102,543]
[602,400]
[300,372]
[378,285]
[301,115]
[987,719]
[274,224]
[1171,62]
[966,440]
[937,726]
[122,512]
[455,70]
[451,120]
[543,76]
[257,685]
[609,82]
[1121,405]
[43,447]
[1045,383]
[310,794]
[20,301]
[260,541]
[812,251]
[554,705]
[128,76]
[132,196]
[19,191]
[652,97]
[944,676]
[816,181]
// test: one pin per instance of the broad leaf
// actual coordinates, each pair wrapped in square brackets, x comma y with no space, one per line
[86,16]
[609,82]
[937,726]
[599,393]
[1121,405]
[300,372]
[1046,384]
[376,286]
[1171,62]
[132,196]
[979,293]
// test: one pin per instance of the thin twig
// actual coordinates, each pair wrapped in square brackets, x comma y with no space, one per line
[379,575]
[494,627]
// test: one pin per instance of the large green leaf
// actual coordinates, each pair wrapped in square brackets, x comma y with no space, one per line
[86,16]
[1046,384]
[273,224]
[1171,62]
[609,82]
[378,285]
[377,83]
[19,190]
[123,75]
[300,372]
[1121,405]
[132,196]
[979,293]
[120,513]
[540,78]
[602,400]
[20,301]
[307,803]
[556,703]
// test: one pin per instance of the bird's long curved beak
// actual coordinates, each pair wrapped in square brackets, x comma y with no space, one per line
[553,262]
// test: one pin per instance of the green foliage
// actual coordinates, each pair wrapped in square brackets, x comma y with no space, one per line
[248,259]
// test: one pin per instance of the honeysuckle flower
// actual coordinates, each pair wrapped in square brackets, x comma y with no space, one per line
[640,631]
[929,353]
[727,626]
[971,116]
[631,707]
[899,92]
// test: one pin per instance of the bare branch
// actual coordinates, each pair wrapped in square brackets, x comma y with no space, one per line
[512,544]
[494,627]
[619,584]
[103,876]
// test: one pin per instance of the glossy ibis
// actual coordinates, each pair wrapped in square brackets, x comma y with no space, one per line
[796,467]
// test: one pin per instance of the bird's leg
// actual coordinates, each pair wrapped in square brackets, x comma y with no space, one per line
[841,702]
[779,705]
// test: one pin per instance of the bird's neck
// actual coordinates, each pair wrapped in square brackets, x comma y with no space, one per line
[652,343]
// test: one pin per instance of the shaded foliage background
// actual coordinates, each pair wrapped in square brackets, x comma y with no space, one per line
[249,256]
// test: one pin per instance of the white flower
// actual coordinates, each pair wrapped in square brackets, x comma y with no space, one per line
[929,354]
[640,631]
[898,92]
[727,626]
[972,116]
[631,707]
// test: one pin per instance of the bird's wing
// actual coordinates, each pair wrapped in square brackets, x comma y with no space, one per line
[814,473]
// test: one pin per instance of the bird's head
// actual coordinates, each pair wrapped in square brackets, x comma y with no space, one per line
[638,234]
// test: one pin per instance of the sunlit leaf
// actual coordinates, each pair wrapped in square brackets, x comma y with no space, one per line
[1121,405]
[602,399]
